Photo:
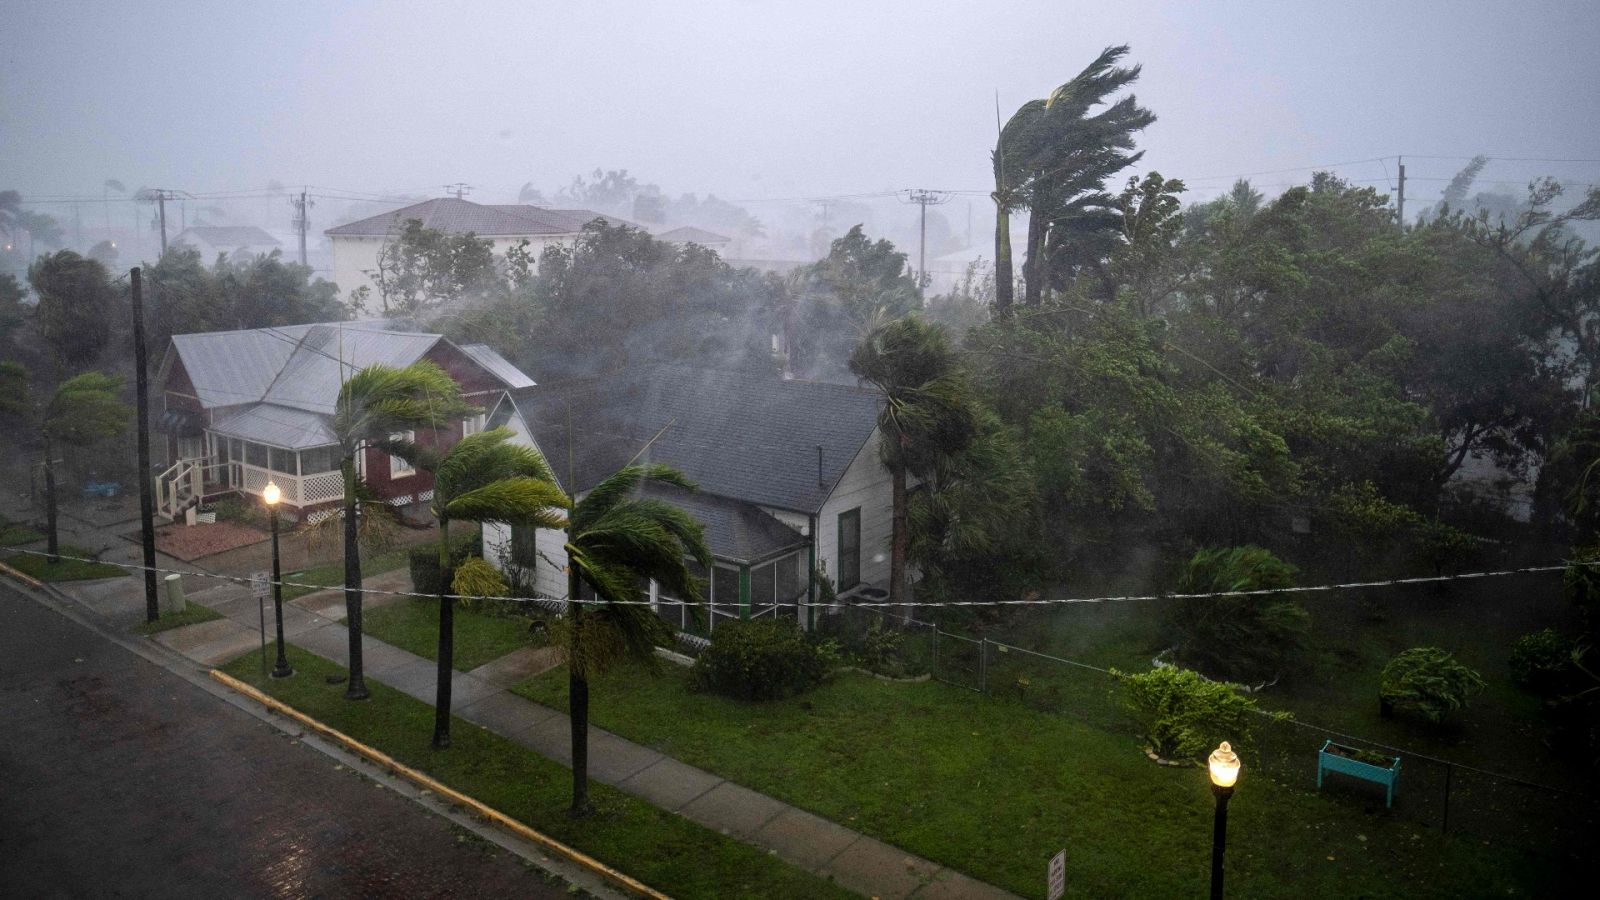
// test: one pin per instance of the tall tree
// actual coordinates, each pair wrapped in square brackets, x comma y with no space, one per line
[422,269]
[74,305]
[483,478]
[374,405]
[1053,157]
[616,541]
[928,414]
[83,410]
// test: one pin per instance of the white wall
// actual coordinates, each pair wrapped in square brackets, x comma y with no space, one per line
[868,485]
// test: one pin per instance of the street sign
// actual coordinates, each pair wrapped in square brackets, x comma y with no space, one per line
[1058,875]
[260,585]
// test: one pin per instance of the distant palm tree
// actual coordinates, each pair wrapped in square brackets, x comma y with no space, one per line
[374,405]
[483,478]
[616,540]
[1053,158]
[928,413]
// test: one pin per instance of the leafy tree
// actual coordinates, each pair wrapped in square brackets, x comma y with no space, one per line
[12,313]
[1428,680]
[424,269]
[1249,638]
[375,404]
[482,478]
[927,417]
[74,305]
[84,409]
[616,541]
[260,292]
[841,297]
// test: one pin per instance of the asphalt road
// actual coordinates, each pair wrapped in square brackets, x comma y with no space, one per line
[121,779]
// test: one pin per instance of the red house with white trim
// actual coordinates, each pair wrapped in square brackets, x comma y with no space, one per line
[241,408]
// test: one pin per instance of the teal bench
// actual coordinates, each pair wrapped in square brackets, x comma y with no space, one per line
[1388,776]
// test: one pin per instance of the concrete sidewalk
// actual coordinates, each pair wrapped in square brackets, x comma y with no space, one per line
[482,696]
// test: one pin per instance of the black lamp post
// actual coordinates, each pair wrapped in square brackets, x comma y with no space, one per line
[272,495]
[1224,766]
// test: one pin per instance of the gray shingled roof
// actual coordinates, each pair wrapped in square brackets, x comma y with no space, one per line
[735,532]
[744,436]
[689,234]
[482,354]
[455,216]
[229,235]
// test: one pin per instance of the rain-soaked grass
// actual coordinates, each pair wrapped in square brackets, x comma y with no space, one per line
[332,574]
[481,636]
[42,568]
[662,849]
[993,788]
[193,614]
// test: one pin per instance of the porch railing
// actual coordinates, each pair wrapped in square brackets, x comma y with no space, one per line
[298,490]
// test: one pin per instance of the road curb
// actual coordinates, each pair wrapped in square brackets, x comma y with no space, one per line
[428,783]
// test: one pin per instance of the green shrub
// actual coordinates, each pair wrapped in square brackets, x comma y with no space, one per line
[1542,661]
[1429,681]
[424,562]
[1248,639]
[880,649]
[760,659]
[1184,715]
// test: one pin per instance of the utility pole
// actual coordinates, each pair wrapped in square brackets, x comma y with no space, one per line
[1400,209]
[924,199]
[161,203]
[460,189]
[301,221]
[147,530]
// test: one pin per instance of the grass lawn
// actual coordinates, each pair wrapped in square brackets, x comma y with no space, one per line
[332,574]
[994,788]
[412,624]
[13,535]
[664,850]
[41,568]
[193,614]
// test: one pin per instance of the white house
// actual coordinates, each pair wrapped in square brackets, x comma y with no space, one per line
[232,241]
[788,474]
[356,245]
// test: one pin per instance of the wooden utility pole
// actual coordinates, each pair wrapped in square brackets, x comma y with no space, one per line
[1400,206]
[301,222]
[147,529]
[924,199]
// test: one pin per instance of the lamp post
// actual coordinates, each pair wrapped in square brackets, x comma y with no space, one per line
[272,495]
[1224,766]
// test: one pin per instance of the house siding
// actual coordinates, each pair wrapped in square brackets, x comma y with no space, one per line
[865,484]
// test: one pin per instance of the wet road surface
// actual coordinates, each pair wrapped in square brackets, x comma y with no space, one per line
[120,779]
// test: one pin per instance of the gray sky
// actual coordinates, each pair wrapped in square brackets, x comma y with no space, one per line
[761,100]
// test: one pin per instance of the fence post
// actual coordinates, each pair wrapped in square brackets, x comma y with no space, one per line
[983,665]
[933,667]
[1448,771]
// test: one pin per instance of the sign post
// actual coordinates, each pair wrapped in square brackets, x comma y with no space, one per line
[260,584]
[1058,876]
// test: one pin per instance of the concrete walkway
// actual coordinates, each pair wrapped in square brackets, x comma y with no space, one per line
[482,696]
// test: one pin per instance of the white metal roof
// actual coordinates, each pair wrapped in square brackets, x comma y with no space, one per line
[498,366]
[278,426]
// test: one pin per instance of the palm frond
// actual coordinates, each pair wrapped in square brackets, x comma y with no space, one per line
[519,500]
[620,485]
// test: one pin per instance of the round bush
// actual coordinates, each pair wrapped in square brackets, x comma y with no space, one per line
[761,659]
[1429,681]
[1541,661]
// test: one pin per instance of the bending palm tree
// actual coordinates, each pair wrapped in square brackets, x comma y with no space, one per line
[482,479]
[615,540]
[373,405]
[928,414]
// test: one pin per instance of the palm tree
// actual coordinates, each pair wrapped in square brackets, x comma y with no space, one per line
[375,404]
[1054,158]
[84,409]
[928,413]
[616,540]
[482,479]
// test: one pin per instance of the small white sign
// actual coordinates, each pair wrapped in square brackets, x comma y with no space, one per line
[260,585]
[1058,875]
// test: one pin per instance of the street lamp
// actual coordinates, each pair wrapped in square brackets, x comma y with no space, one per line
[272,495]
[1224,766]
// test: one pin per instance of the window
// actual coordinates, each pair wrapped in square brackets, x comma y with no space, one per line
[763,590]
[724,594]
[525,546]
[789,586]
[849,549]
[319,459]
[399,468]
[473,424]
[256,455]
[281,461]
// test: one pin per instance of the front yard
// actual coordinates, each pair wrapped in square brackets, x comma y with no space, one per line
[42,568]
[664,850]
[993,788]
[481,636]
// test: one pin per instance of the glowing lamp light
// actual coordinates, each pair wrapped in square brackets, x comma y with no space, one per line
[1224,765]
[272,495]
